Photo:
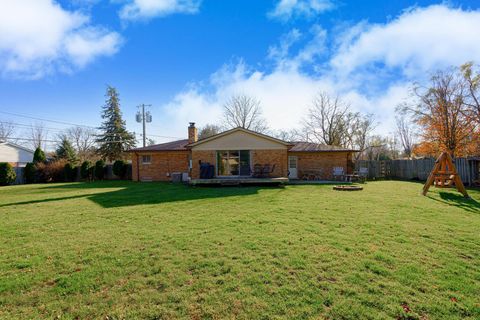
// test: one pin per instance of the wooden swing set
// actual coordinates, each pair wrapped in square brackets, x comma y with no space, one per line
[444,175]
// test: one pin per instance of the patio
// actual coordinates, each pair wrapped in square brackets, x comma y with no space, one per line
[235,181]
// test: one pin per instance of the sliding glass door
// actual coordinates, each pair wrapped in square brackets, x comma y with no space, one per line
[233,163]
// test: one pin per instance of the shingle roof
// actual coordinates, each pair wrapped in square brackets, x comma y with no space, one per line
[177,145]
[315,147]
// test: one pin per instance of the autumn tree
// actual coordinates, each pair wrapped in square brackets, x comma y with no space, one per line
[441,113]
[245,112]
[114,139]
[471,75]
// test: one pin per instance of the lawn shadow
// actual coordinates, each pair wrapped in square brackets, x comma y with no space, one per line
[41,200]
[458,200]
[128,193]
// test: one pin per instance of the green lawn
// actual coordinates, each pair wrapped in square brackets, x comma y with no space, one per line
[159,251]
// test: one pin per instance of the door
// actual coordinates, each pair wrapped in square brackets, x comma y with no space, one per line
[292,167]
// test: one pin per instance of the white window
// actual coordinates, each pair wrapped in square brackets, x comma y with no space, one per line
[146,159]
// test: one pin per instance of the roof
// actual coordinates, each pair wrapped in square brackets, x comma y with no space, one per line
[16,146]
[178,145]
[261,135]
[315,147]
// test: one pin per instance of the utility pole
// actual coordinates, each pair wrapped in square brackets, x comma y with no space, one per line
[144,117]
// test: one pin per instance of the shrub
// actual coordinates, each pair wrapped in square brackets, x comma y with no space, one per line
[39,156]
[52,172]
[29,172]
[70,172]
[85,170]
[119,168]
[99,169]
[7,174]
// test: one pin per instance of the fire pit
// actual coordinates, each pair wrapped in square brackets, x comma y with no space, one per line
[348,188]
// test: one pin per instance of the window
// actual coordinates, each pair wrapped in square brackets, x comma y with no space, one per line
[146,159]
[233,163]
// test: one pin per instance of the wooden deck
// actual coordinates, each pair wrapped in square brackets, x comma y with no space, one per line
[239,181]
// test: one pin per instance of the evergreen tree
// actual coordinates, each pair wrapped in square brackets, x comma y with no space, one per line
[66,151]
[39,156]
[115,139]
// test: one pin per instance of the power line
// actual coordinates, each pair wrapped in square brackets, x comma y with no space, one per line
[70,124]
[56,141]
[48,120]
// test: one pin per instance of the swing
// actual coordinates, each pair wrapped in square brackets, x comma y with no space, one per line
[445,175]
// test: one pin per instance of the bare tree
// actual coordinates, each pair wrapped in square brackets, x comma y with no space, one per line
[405,133]
[326,118]
[291,135]
[38,136]
[245,112]
[377,148]
[6,130]
[208,130]
[361,127]
[83,140]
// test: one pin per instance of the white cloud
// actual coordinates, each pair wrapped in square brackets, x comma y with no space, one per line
[419,40]
[38,37]
[370,66]
[145,9]
[287,9]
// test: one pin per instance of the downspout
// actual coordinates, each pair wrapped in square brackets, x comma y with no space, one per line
[138,167]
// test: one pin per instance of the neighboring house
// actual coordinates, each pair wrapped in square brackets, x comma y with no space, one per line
[16,155]
[234,153]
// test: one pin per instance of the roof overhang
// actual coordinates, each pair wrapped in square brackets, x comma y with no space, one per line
[225,133]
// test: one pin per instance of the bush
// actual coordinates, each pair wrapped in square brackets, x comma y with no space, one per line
[52,171]
[120,168]
[7,174]
[29,172]
[39,156]
[86,170]
[99,169]
[70,172]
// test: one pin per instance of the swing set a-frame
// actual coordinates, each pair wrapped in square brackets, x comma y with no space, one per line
[444,175]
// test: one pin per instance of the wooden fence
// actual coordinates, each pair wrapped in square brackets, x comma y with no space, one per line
[418,169]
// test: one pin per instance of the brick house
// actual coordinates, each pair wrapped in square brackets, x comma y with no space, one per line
[234,153]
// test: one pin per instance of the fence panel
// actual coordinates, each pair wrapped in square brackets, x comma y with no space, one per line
[416,169]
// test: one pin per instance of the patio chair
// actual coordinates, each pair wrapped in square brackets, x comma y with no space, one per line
[257,171]
[338,173]
[363,174]
[267,170]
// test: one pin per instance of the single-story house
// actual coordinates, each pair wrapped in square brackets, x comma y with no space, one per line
[17,156]
[14,154]
[235,153]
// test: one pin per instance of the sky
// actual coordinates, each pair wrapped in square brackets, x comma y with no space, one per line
[185,58]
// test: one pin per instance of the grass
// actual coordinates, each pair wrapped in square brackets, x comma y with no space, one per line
[159,251]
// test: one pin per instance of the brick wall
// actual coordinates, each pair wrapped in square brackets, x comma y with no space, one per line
[323,161]
[162,163]
[272,157]
[204,156]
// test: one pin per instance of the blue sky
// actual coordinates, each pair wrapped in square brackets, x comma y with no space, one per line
[186,57]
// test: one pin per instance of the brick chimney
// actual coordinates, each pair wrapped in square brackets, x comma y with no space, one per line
[192,133]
